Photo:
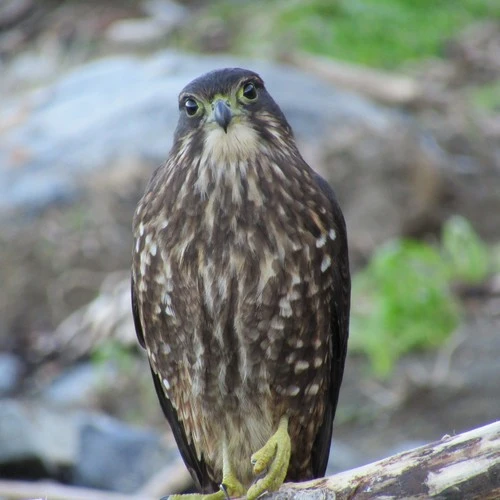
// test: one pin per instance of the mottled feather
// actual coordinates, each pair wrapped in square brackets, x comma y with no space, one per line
[240,285]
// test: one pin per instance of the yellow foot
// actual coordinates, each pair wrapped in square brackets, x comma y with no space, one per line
[219,495]
[229,488]
[274,457]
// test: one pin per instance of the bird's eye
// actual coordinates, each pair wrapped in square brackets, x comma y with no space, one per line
[249,91]
[191,107]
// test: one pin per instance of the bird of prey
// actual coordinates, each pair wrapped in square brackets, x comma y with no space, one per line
[241,291]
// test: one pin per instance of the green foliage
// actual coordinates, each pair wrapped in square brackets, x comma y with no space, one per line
[402,301]
[380,33]
[112,351]
[466,256]
[487,97]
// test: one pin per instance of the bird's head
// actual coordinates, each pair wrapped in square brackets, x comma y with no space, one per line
[228,114]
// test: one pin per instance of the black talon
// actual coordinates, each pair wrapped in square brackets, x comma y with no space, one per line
[258,477]
[223,488]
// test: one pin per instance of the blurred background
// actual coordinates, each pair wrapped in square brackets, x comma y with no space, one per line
[395,102]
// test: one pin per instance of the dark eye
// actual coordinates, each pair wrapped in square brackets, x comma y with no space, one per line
[249,91]
[191,107]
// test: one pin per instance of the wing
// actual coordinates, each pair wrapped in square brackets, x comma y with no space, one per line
[339,331]
[197,468]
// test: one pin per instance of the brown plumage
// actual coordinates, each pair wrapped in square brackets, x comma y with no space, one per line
[240,284]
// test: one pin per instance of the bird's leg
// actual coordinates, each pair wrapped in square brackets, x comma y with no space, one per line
[230,486]
[273,456]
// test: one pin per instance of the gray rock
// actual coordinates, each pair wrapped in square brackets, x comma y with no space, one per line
[80,384]
[13,12]
[30,68]
[137,33]
[127,107]
[10,371]
[117,457]
[36,439]
[165,12]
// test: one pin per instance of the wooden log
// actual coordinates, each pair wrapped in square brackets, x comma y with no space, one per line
[462,467]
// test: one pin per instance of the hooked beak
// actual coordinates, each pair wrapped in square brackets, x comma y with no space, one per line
[222,114]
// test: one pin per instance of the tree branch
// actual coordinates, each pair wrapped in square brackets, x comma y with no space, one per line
[466,466]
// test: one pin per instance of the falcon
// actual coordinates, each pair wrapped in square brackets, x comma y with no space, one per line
[241,291]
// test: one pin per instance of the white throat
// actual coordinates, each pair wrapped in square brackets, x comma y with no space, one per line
[240,143]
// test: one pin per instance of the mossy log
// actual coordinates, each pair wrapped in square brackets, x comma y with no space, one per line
[461,467]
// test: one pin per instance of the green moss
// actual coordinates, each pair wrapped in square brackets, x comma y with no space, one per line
[115,352]
[487,97]
[381,33]
[402,301]
[466,257]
